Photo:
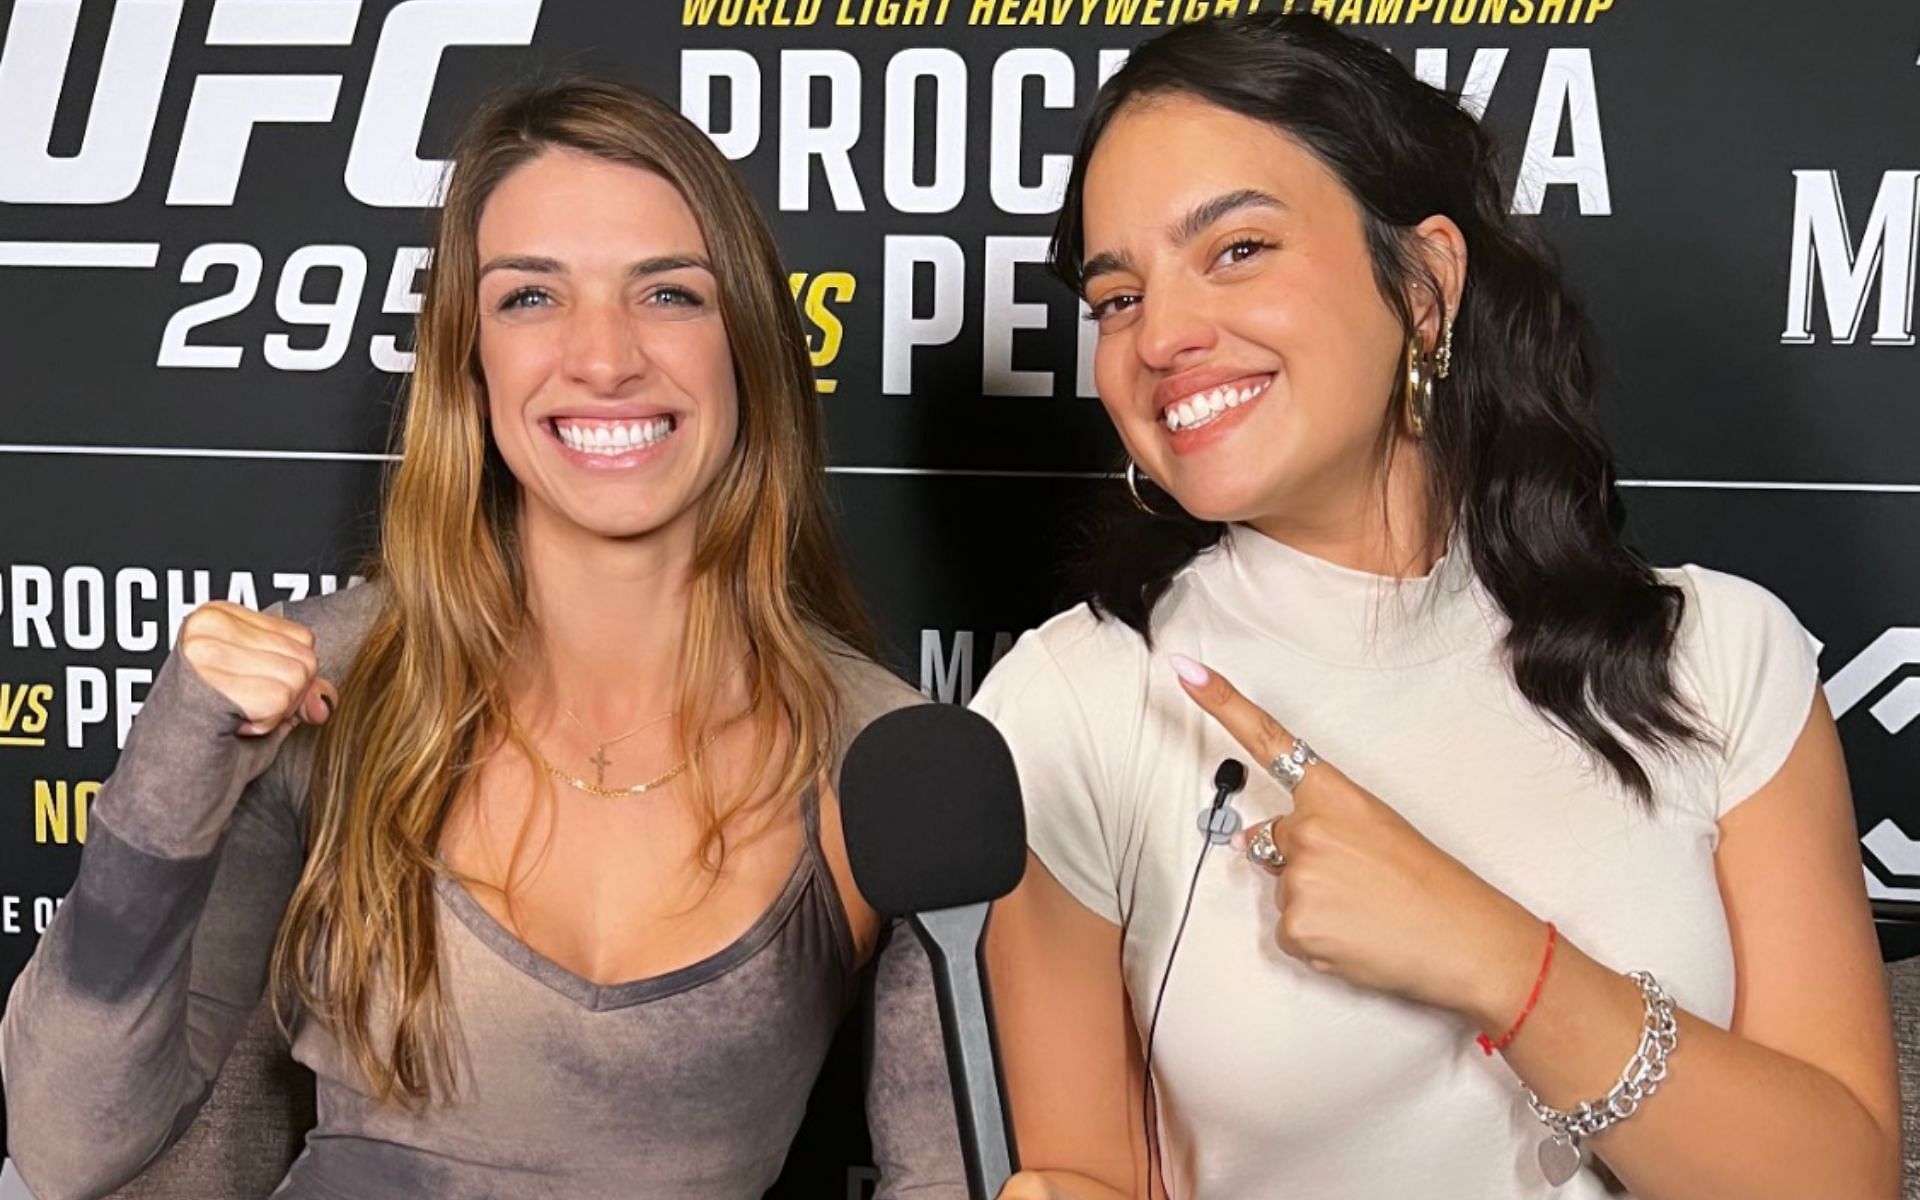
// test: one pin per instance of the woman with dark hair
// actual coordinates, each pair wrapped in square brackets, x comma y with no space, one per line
[1591,811]
[548,888]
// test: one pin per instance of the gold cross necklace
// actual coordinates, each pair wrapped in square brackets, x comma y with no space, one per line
[599,757]
[601,762]
[600,789]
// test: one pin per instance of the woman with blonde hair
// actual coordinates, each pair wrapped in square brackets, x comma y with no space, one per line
[548,887]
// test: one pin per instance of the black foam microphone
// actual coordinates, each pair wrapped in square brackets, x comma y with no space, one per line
[930,807]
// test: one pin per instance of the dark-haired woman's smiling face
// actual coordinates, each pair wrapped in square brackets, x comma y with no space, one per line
[1246,355]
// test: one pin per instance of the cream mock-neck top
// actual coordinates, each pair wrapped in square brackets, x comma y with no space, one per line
[1274,1081]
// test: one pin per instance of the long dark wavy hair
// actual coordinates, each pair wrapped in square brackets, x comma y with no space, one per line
[1517,464]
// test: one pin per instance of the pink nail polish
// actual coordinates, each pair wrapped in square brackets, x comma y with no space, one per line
[1188,670]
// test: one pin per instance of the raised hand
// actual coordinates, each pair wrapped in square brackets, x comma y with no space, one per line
[264,665]
[1361,894]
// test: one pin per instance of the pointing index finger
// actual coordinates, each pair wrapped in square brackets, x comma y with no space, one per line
[1249,724]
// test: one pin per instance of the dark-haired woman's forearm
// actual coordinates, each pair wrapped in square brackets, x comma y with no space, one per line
[1800,1098]
[1068,1047]
[1735,1119]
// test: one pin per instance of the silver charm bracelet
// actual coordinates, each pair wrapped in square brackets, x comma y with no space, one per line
[1564,1151]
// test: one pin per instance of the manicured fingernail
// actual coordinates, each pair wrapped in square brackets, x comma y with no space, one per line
[1188,670]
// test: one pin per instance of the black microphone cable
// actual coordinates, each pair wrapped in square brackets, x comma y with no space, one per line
[1228,778]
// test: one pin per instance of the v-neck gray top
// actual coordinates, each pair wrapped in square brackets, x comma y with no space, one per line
[687,1084]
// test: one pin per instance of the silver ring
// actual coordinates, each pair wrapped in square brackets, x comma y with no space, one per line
[1290,768]
[1261,851]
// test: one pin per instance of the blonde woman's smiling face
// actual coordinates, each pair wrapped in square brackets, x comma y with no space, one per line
[610,385]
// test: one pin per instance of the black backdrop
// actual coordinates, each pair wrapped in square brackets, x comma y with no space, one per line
[212,215]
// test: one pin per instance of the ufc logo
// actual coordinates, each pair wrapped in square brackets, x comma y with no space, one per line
[383,169]
[1887,656]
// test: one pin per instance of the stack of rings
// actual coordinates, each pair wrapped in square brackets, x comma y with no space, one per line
[1289,769]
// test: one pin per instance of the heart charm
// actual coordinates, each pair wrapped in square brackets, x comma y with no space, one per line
[1560,1160]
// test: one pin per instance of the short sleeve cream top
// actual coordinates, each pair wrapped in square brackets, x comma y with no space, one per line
[1273,1080]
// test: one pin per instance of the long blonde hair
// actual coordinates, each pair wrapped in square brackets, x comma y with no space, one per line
[423,700]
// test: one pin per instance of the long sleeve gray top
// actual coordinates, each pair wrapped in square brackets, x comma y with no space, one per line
[688,1084]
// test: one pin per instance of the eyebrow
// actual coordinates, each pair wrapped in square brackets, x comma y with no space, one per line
[1196,222]
[1107,262]
[658,265]
[1183,230]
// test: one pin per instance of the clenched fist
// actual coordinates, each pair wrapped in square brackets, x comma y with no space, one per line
[264,665]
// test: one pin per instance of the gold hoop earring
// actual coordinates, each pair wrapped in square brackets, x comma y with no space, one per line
[1443,360]
[1133,490]
[1418,392]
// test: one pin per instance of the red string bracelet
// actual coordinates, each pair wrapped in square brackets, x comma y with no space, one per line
[1488,1045]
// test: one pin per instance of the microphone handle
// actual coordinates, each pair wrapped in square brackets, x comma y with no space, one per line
[952,938]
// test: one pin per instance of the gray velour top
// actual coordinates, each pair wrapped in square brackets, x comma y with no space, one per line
[688,1084]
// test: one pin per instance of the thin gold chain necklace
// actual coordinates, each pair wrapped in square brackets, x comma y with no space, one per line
[599,757]
[594,789]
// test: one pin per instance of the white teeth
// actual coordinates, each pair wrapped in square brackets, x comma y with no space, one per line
[1198,410]
[613,438]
